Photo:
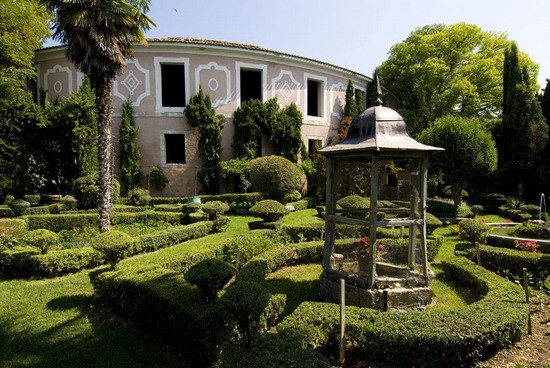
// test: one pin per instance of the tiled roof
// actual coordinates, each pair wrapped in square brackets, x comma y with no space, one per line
[242,46]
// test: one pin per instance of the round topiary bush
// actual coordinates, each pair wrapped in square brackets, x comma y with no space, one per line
[191,207]
[42,239]
[353,204]
[476,209]
[292,196]
[114,244]
[269,210]
[473,230]
[33,199]
[19,206]
[69,203]
[210,275]
[275,176]
[432,223]
[215,209]
[139,197]
[86,191]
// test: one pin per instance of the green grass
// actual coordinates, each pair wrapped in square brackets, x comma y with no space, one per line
[302,217]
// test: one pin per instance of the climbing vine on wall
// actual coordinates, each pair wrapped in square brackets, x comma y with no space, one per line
[282,127]
[200,114]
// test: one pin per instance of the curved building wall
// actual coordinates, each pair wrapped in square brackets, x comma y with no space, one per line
[166,73]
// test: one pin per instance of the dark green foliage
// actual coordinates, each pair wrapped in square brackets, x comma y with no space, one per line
[74,136]
[354,206]
[42,210]
[282,127]
[269,210]
[352,106]
[33,199]
[246,246]
[138,197]
[275,176]
[246,301]
[533,231]
[397,249]
[469,150]
[114,244]
[200,114]
[69,203]
[292,196]
[210,275]
[19,206]
[158,178]
[238,167]
[462,336]
[493,201]
[42,239]
[477,209]
[473,230]
[432,223]
[130,155]
[23,144]
[191,207]
[86,191]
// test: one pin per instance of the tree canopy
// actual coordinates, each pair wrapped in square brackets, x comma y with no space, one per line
[469,151]
[449,69]
[23,27]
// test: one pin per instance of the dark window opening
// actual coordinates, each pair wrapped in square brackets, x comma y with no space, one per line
[251,85]
[392,180]
[313,146]
[173,85]
[313,98]
[175,148]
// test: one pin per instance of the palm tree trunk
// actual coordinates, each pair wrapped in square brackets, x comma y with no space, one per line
[103,87]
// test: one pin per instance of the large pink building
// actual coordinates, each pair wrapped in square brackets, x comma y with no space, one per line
[166,73]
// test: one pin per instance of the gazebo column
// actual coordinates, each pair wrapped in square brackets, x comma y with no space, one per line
[423,196]
[414,213]
[375,173]
[330,209]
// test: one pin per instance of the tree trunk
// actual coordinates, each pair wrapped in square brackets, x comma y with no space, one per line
[103,85]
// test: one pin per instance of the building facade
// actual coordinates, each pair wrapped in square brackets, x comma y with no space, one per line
[164,75]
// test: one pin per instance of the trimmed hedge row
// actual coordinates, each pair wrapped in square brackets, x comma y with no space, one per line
[60,222]
[460,337]
[515,215]
[513,260]
[227,198]
[27,261]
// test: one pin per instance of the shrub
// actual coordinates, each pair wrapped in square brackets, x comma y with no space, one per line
[138,197]
[191,207]
[354,206]
[432,223]
[114,244]
[158,178]
[269,210]
[477,209]
[493,201]
[442,208]
[19,206]
[464,210]
[42,239]
[39,210]
[515,203]
[215,209]
[275,176]
[33,199]
[8,199]
[246,301]
[293,196]
[86,191]
[532,209]
[210,275]
[473,230]
[69,203]
[247,246]
[533,231]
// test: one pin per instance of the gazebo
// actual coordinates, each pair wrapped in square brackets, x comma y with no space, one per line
[379,135]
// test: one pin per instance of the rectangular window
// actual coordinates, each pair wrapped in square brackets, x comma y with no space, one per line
[251,84]
[313,146]
[173,85]
[314,93]
[175,148]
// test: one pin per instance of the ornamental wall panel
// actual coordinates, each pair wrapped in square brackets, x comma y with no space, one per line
[216,81]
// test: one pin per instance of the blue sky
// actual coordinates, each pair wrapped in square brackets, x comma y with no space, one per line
[354,34]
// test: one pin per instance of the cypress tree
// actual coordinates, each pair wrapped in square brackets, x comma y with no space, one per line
[130,156]
[350,109]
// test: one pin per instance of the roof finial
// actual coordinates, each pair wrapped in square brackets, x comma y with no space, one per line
[377,92]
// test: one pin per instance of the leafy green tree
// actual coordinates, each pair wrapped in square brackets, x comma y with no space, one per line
[130,156]
[73,136]
[99,35]
[200,114]
[286,133]
[23,28]
[248,120]
[449,69]
[350,108]
[469,151]
[22,156]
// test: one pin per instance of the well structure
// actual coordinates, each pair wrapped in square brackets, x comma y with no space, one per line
[379,135]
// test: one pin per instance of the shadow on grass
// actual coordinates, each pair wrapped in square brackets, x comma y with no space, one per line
[297,292]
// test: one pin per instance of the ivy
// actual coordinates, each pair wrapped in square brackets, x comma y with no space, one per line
[200,114]
[282,127]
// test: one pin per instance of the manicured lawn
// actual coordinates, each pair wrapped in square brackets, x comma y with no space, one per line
[302,217]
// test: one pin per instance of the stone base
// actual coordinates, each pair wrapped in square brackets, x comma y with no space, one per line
[389,299]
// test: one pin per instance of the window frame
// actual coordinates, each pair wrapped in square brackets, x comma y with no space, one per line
[249,66]
[159,61]
[163,150]
[321,95]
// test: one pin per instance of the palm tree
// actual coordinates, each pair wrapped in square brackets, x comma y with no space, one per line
[99,35]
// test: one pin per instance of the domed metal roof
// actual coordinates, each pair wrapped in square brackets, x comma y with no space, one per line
[378,128]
